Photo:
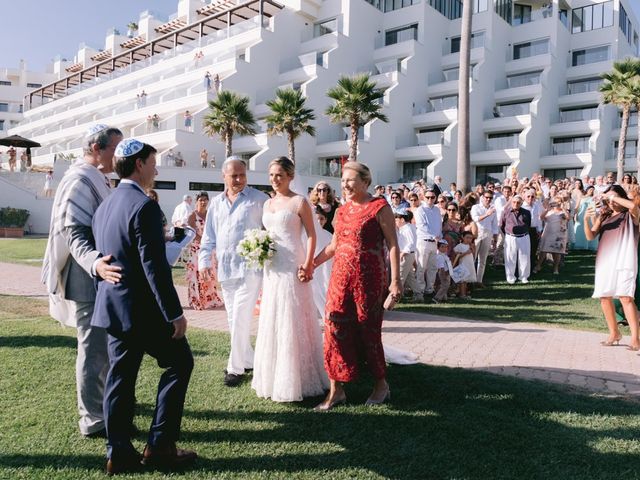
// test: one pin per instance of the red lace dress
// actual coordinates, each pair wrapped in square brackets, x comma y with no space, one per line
[202,295]
[357,288]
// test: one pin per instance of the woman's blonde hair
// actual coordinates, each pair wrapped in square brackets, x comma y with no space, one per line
[314,197]
[287,165]
[361,169]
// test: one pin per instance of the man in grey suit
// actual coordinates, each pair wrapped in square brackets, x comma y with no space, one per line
[71,262]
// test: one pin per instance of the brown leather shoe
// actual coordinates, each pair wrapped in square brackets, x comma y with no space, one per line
[127,464]
[169,457]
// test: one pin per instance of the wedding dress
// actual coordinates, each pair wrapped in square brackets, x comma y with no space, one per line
[288,362]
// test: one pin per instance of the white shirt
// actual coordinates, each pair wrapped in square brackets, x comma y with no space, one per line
[181,214]
[428,223]
[224,229]
[499,203]
[407,238]
[487,226]
[443,261]
[536,210]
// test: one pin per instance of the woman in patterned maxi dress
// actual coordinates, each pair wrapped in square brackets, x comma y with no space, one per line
[203,295]
[358,287]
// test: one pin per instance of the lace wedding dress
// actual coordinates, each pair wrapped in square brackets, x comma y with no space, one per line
[288,362]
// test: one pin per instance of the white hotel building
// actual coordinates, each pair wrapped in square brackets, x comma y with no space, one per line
[534,100]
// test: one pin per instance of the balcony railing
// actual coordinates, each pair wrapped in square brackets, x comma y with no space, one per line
[502,143]
[567,116]
[512,110]
[430,138]
[569,148]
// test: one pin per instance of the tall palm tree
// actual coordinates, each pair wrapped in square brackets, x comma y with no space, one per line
[617,90]
[634,90]
[463,160]
[357,102]
[289,116]
[229,114]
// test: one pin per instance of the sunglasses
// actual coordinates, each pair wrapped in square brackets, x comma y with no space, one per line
[488,197]
[442,201]
[395,196]
[322,189]
[451,210]
[430,197]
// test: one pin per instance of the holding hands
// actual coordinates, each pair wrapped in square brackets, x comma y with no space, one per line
[305,273]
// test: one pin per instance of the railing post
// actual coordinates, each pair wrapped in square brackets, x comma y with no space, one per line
[228,24]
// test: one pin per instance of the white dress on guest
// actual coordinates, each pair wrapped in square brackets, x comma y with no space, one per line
[288,363]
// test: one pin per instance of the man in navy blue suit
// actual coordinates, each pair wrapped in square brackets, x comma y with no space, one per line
[142,314]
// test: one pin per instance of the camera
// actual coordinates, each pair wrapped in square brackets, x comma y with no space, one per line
[178,234]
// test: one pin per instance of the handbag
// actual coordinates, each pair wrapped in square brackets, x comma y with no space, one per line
[389,302]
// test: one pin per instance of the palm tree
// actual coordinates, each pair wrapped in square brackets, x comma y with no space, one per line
[617,90]
[357,102]
[229,114]
[463,162]
[288,115]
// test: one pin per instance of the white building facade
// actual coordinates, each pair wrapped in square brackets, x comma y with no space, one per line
[534,100]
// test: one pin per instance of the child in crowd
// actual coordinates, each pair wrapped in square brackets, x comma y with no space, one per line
[464,264]
[445,271]
[407,237]
[321,215]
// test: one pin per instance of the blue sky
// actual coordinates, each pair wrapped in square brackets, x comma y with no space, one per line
[37,31]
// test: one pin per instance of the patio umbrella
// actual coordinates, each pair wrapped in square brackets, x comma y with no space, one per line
[20,142]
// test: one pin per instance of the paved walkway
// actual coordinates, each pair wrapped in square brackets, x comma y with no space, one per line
[517,349]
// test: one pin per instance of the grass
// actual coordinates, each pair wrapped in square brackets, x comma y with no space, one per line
[563,300]
[440,423]
[28,251]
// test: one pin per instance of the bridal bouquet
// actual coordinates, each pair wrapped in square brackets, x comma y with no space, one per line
[257,248]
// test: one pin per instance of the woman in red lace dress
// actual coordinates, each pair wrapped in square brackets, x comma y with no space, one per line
[358,287]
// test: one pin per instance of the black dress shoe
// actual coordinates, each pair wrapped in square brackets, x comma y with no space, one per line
[102,433]
[126,464]
[231,379]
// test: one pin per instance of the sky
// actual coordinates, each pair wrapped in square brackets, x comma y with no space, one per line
[39,30]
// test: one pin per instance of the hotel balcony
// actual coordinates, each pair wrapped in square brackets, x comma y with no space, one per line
[496,157]
[453,59]
[518,93]
[335,140]
[533,62]
[405,46]
[507,123]
[419,146]
[578,99]
[429,114]
[312,41]
[594,69]
[568,160]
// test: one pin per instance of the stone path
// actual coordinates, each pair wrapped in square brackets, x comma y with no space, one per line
[517,349]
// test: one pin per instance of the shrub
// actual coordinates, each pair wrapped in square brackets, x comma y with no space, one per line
[13,217]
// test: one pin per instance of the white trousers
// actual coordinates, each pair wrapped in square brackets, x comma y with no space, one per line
[516,249]
[240,296]
[407,275]
[483,245]
[426,260]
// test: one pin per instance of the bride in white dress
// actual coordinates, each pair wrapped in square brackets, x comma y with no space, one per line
[288,364]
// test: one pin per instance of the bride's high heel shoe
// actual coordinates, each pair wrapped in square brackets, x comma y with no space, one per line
[614,341]
[370,401]
[328,405]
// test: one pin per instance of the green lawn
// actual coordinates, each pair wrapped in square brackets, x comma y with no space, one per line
[29,251]
[440,424]
[563,300]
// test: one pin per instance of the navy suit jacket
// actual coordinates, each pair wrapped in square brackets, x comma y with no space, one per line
[128,225]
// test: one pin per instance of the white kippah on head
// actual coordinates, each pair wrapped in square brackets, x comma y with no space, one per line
[128,147]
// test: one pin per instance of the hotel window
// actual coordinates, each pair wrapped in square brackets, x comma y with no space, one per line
[1,124]
[504,9]
[630,149]
[589,55]
[403,34]
[4,107]
[205,187]
[164,185]
[570,145]
[578,114]
[523,79]
[325,28]
[512,109]
[562,173]
[451,9]
[502,141]
[584,86]
[592,17]
[530,49]
[5,83]
[563,15]
[521,14]
[414,170]
[477,40]
[625,24]
[633,120]
[34,85]
[491,173]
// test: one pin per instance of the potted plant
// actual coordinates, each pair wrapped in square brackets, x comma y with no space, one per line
[12,222]
[132,29]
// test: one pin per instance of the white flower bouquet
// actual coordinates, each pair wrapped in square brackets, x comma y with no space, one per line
[257,248]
